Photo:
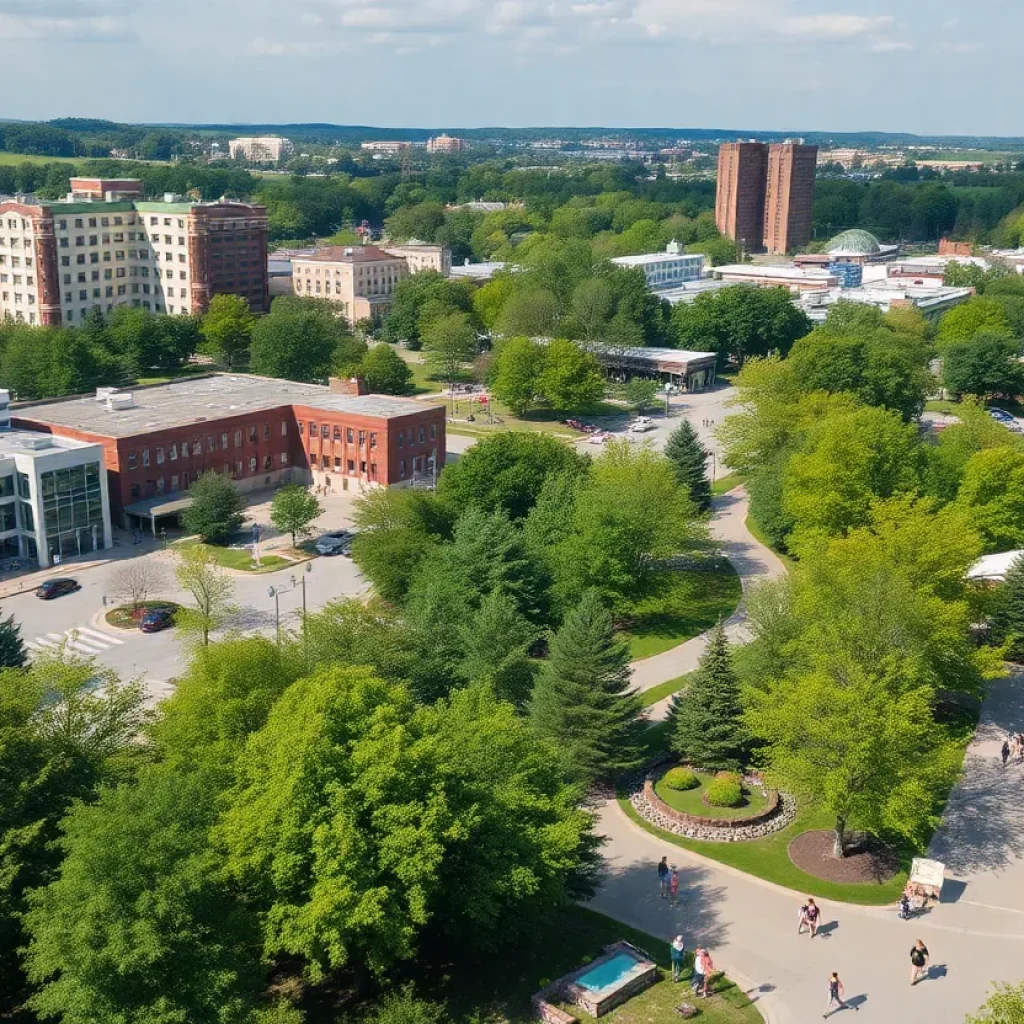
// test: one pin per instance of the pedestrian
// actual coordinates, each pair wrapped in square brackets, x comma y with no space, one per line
[1020,746]
[813,915]
[801,920]
[1005,751]
[663,877]
[918,960]
[835,995]
[673,887]
[697,979]
[707,969]
[677,951]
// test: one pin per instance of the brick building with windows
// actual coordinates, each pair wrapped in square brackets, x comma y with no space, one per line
[258,430]
[104,246]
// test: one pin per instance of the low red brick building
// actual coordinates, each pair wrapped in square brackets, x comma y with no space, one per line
[258,430]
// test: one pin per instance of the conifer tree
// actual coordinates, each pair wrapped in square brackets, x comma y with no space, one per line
[708,718]
[689,458]
[12,649]
[1007,621]
[582,699]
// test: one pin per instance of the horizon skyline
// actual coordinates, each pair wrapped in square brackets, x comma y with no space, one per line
[522,63]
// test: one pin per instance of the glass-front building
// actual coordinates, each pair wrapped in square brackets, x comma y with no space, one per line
[53,499]
[73,509]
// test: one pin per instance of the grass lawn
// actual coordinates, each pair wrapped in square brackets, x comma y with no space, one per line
[768,858]
[241,559]
[726,483]
[942,405]
[663,690]
[7,159]
[690,801]
[500,987]
[694,602]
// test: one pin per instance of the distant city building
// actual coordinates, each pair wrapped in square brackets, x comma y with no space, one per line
[261,149]
[420,256]
[103,246]
[385,148]
[446,144]
[739,198]
[693,371]
[932,300]
[669,269]
[796,279]
[789,196]
[765,194]
[853,246]
[478,273]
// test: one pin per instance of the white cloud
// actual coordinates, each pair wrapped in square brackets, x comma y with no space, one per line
[91,28]
[260,47]
[889,46]
[834,26]
[959,47]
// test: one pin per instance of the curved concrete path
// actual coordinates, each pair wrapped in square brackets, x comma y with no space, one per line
[753,562]
[976,936]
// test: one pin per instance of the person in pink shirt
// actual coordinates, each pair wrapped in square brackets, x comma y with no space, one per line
[673,887]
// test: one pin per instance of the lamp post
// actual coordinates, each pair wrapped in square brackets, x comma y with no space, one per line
[275,593]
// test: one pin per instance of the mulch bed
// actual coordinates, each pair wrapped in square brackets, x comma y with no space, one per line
[867,860]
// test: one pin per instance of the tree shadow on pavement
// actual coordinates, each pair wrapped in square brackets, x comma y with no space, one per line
[630,894]
[983,824]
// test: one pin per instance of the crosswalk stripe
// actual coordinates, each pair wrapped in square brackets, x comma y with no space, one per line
[86,641]
[105,637]
[55,636]
[43,642]
[81,648]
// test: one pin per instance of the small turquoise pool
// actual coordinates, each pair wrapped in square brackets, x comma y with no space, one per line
[611,972]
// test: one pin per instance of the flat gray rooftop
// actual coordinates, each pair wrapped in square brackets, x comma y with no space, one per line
[205,399]
[35,444]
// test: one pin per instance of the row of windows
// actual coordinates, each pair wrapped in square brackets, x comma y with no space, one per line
[196,444]
[327,431]
[69,314]
[15,261]
[17,279]
[237,471]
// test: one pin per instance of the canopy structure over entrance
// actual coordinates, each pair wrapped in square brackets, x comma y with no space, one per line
[147,512]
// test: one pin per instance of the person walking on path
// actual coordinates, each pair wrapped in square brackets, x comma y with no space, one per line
[835,996]
[918,961]
[1005,752]
[813,916]
[677,951]
[707,969]
[673,887]
[697,981]
[663,877]
[801,919]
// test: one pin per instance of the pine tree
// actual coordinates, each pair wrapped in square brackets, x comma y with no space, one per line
[497,641]
[1007,620]
[689,457]
[708,730]
[582,699]
[12,649]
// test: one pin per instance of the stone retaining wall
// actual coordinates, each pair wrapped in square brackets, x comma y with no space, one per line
[653,809]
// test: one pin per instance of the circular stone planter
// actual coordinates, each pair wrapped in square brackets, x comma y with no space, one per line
[781,810]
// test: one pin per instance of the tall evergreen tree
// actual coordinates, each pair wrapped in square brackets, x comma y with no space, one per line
[497,641]
[708,729]
[582,699]
[12,649]
[1007,620]
[689,457]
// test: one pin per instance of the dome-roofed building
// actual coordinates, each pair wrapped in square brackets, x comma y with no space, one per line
[855,242]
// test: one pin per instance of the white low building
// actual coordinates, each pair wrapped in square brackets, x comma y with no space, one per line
[993,568]
[668,269]
[932,300]
[54,502]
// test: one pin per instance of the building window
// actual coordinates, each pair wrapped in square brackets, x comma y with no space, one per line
[197,446]
[174,451]
[145,456]
[362,438]
[373,439]
[301,426]
[252,464]
[210,443]
[423,435]
[401,469]
[312,429]
[284,428]
[325,461]
[238,468]
[348,434]
[135,490]
[174,482]
[266,431]
[253,435]
[351,467]
[401,440]
[132,460]
[159,485]
[159,456]
[224,441]
[433,431]
[238,439]
[284,458]
[268,462]
[325,430]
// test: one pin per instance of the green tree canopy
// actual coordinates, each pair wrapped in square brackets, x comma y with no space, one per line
[987,365]
[517,367]
[385,372]
[293,509]
[216,509]
[689,458]
[570,379]
[227,328]
[962,323]
[297,340]
[992,491]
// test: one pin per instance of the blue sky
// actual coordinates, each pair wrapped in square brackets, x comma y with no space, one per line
[926,66]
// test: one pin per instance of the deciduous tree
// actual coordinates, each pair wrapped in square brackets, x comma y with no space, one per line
[570,379]
[227,328]
[293,509]
[216,509]
[211,589]
[385,372]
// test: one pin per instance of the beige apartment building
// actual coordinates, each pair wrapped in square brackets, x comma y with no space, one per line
[423,257]
[446,144]
[359,279]
[104,246]
[262,149]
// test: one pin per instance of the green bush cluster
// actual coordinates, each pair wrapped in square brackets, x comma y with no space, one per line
[724,790]
[681,779]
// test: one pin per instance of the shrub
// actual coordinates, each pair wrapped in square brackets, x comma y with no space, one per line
[681,778]
[724,790]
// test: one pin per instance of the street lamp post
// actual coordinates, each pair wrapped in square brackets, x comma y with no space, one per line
[275,593]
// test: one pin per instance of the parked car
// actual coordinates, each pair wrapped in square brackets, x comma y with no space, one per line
[641,424]
[1001,414]
[332,543]
[49,589]
[156,619]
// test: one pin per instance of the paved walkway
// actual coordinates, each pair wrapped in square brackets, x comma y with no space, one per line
[754,563]
[976,936]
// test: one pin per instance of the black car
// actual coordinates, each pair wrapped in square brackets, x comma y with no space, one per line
[50,589]
[156,619]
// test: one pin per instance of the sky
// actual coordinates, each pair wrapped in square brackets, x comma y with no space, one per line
[923,66]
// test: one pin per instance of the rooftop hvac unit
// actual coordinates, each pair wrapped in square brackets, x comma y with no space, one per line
[5,409]
[102,394]
[115,403]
